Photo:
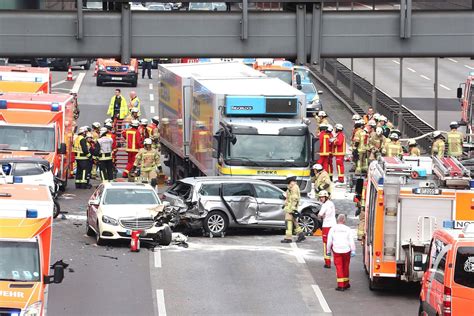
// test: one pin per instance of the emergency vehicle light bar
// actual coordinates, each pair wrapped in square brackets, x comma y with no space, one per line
[3,104]
[448,224]
[55,107]
[19,213]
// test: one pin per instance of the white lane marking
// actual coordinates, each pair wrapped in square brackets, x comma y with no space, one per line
[412,70]
[453,60]
[77,84]
[321,299]
[297,253]
[61,82]
[77,217]
[152,109]
[157,255]
[160,300]
[396,61]
[150,86]
[152,97]
[443,86]
[469,67]
[425,77]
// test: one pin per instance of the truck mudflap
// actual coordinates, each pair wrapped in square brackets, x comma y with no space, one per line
[409,270]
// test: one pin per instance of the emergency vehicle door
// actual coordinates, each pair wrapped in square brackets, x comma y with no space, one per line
[240,201]
[270,204]
[435,278]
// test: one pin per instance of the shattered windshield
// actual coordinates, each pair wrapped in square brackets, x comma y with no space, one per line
[19,261]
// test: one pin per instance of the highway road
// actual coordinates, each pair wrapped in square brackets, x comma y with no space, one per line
[418,84]
[246,273]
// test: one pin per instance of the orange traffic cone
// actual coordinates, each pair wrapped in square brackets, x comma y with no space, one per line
[318,232]
[96,69]
[69,74]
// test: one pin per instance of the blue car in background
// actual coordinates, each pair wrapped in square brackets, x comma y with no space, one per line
[313,102]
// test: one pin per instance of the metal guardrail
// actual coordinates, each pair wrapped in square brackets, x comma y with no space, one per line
[413,126]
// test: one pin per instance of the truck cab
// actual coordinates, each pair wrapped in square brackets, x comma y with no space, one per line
[447,287]
[25,79]
[38,125]
[25,249]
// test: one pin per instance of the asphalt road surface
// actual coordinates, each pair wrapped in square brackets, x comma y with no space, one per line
[418,84]
[246,273]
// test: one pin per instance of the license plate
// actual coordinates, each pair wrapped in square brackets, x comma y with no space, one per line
[427,191]
[128,232]
[117,78]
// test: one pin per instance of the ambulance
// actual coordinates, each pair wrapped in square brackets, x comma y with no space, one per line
[405,202]
[447,287]
[39,125]
[25,249]
[25,79]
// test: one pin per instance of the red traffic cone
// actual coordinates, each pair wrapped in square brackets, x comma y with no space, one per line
[96,69]
[69,74]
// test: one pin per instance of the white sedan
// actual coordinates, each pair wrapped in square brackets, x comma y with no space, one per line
[116,209]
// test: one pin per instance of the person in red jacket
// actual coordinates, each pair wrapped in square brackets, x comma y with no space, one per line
[133,142]
[339,151]
[142,129]
[324,147]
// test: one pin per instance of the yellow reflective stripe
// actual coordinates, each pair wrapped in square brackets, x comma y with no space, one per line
[262,172]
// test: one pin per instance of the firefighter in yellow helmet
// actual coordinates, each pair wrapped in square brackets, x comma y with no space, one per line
[438,145]
[455,141]
[393,148]
[149,162]
[413,149]
[291,211]
[322,180]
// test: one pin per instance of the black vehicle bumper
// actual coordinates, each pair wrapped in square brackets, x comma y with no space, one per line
[108,77]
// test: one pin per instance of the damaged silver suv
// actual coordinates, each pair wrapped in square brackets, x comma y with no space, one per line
[217,203]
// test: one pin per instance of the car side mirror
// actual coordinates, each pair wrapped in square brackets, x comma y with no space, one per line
[459,93]
[298,81]
[94,202]
[62,149]
[58,273]
[282,197]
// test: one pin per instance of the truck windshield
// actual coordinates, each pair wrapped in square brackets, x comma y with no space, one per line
[19,261]
[270,150]
[27,138]
[284,75]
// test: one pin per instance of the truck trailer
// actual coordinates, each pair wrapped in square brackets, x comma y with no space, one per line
[228,119]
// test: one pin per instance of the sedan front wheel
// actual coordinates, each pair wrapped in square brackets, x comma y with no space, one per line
[308,223]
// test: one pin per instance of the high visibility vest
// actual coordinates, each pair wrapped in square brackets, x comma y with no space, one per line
[148,60]
[339,146]
[323,180]
[356,138]
[123,108]
[325,145]
[132,140]
[455,143]
[147,160]
[364,141]
[438,148]
[80,154]
[75,143]
[415,152]
[393,149]
[135,103]
[105,144]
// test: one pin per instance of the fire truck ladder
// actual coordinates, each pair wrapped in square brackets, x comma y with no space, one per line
[121,156]
[451,171]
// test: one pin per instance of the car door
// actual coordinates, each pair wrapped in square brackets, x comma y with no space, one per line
[239,200]
[270,204]
[435,279]
[92,209]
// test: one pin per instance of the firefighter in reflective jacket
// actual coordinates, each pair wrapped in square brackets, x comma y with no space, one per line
[362,148]
[118,107]
[110,134]
[339,151]
[376,143]
[134,102]
[322,180]
[321,119]
[103,152]
[133,143]
[148,161]
[393,148]
[291,211]
[438,145]
[142,129]
[455,140]
[154,132]
[95,137]
[356,139]
[324,146]
[413,149]
[82,159]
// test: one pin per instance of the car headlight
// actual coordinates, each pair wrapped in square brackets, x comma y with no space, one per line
[34,309]
[109,220]
[101,67]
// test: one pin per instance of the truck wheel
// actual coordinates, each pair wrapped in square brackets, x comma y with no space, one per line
[166,236]
[87,66]
[374,284]
[63,185]
[99,82]
[421,312]
[216,223]
[56,209]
